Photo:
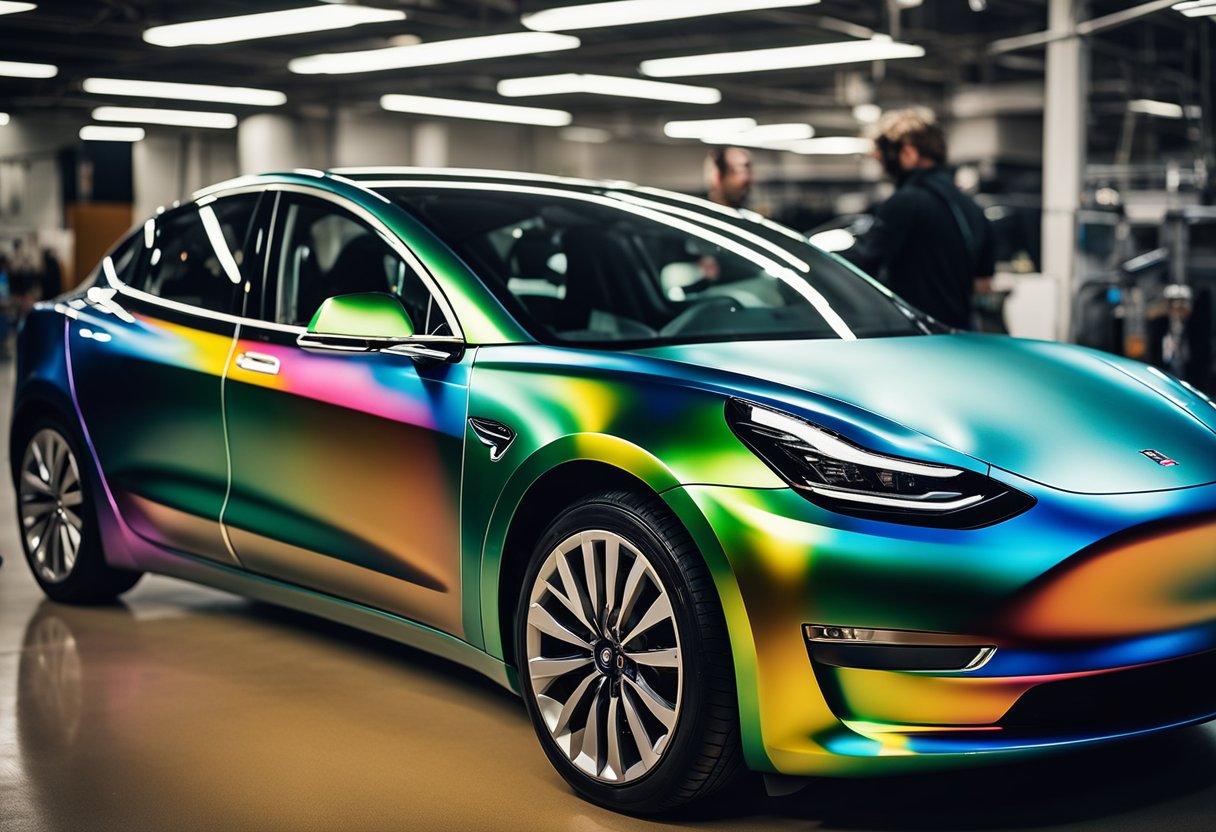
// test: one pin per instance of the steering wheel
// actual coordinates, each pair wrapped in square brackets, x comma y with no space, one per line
[702,309]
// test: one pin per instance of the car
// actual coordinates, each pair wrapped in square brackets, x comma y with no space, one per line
[706,497]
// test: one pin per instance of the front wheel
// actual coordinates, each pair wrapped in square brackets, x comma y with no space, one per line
[624,660]
[58,522]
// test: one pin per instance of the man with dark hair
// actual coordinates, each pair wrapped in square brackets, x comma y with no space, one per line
[930,243]
[728,174]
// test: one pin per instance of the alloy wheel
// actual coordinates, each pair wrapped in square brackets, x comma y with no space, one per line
[50,498]
[603,656]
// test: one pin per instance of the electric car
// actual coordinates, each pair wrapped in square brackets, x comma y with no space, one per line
[704,495]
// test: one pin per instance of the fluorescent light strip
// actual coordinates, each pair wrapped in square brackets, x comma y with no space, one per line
[878,48]
[451,108]
[828,146]
[573,82]
[21,69]
[763,135]
[1197,8]
[1164,109]
[431,54]
[185,92]
[706,127]
[267,25]
[626,12]
[175,118]
[12,8]
[104,133]
[3,119]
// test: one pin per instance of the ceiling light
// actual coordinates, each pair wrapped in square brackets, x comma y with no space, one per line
[867,113]
[176,118]
[625,12]
[1163,109]
[586,135]
[765,135]
[572,82]
[697,128]
[185,92]
[267,25]
[830,146]
[1197,8]
[12,8]
[3,119]
[451,108]
[430,54]
[19,69]
[877,48]
[104,133]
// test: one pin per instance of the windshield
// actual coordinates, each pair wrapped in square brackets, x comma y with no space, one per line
[618,268]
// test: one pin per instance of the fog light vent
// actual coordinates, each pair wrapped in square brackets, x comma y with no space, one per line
[867,649]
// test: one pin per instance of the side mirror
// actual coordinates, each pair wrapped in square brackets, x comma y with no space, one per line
[367,315]
[373,322]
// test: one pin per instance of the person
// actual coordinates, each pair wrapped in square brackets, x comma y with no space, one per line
[728,175]
[5,293]
[929,243]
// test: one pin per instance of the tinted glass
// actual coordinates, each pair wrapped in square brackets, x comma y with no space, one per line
[324,251]
[197,253]
[125,258]
[621,267]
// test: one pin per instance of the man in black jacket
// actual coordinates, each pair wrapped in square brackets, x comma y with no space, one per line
[930,243]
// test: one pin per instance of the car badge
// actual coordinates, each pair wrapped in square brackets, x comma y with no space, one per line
[1160,458]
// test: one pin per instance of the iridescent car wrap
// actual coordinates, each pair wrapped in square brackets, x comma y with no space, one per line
[1101,588]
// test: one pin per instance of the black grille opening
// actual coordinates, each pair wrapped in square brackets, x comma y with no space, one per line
[1126,700]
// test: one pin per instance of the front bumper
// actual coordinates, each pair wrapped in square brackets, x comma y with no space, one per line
[1102,610]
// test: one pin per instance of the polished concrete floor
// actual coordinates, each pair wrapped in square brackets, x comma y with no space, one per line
[185,708]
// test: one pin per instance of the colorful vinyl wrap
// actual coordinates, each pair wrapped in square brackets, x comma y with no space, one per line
[860,644]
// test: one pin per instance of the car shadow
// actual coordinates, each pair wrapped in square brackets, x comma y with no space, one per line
[1167,781]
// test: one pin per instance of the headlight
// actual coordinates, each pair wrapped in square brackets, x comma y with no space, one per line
[838,475]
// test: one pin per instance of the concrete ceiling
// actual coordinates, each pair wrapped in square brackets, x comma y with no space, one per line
[103,38]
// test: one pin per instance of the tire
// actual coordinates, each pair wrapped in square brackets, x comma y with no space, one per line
[58,520]
[662,671]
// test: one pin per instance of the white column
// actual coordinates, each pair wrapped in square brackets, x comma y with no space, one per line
[1067,85]
[430,148]
[268,142]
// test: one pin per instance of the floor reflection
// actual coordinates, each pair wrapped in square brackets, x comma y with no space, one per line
[191,709]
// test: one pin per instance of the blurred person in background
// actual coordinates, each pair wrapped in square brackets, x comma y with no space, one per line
[728,176]
[5,305]
[930,243]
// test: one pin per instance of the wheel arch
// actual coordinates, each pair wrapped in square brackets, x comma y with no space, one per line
[37,399]
[544,485]
[504,562]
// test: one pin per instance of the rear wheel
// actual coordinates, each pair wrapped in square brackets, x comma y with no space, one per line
[58,523]
[624,660]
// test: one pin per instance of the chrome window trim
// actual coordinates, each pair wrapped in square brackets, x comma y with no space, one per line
[394,242]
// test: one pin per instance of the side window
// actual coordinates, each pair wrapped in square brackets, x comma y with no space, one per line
[197,253]
[324,252]
[125,259]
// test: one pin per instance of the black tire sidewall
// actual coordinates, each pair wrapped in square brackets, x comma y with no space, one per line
[654,791]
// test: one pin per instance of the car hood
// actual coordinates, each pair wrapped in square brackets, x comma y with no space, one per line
[1063,416]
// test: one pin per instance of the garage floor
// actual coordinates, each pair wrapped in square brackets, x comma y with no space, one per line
[186,708]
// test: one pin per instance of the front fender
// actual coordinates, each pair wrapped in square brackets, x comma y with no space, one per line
[581,447]
[637,462]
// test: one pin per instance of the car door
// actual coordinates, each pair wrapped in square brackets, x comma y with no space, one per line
[346,466]
[148,351]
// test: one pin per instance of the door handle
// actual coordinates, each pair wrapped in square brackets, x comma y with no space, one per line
[257,362]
